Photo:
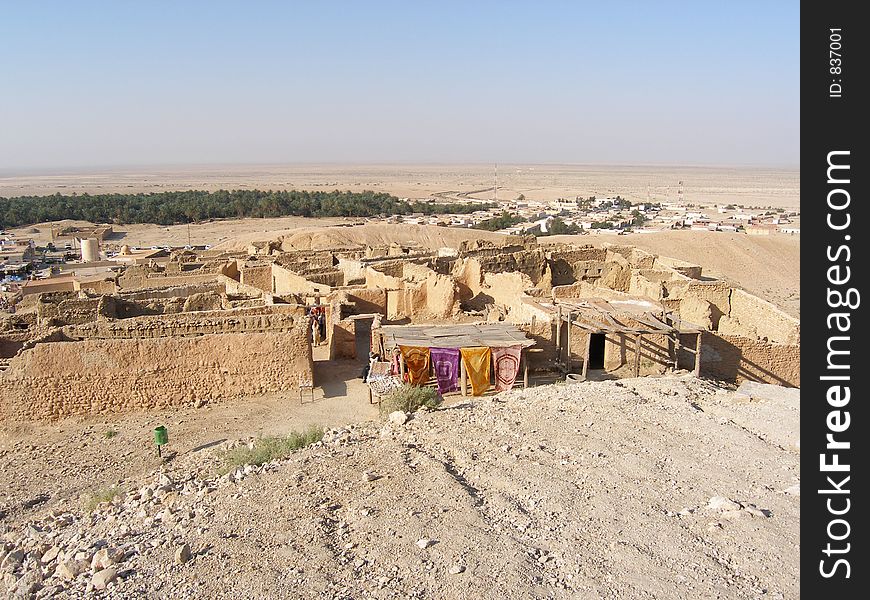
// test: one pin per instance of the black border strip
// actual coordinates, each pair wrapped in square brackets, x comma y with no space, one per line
[833,248]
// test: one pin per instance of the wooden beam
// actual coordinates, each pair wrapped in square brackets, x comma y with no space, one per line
[698,356]
[656,325]
[656,322]
[601,328]
[609,318]
[637,356]
[592,328]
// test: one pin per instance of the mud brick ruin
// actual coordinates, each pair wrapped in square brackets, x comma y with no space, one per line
[214,324]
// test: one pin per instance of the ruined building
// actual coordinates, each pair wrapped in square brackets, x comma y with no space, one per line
[201,326]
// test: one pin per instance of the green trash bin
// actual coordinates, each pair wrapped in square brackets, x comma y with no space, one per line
[161,437]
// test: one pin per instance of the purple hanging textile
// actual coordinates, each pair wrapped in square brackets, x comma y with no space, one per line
[446,364]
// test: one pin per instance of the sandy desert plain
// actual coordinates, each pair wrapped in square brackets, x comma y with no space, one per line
[739,185]
[651,487]
[768,266]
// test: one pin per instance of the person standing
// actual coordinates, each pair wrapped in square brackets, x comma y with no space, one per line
[315,331]
[321,323]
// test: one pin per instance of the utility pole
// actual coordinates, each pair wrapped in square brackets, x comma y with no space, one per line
[496,183]
[188,235]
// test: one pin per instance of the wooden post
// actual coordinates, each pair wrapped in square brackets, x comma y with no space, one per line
[568,346]
[637,356]
[558,334]
[677,351]
[586,353]
[402,366]
[698,356]
[463,377]
[525,358]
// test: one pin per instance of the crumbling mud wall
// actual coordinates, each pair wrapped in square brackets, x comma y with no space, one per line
[716,295]
[365,301]
[96,286]
[751,316]
[257,276]
[235,288]
[637,258]
[414,290]
[180,291]
[468,275]
[570,264]
[530,262]
[506,290]
[60,379]
[680,266]
[738,358]
[353,270]
[543,332]
[285,281]
[275,318]
[54,310]
[160,281]
[330,277]
[342,342]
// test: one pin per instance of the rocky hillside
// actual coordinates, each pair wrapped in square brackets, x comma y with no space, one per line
[642,488]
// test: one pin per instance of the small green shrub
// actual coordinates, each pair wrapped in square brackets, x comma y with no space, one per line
[270,448]
[100,495]
[409,398]
[110,434]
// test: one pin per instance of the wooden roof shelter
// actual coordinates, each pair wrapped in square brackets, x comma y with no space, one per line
[493,335]
[600,316]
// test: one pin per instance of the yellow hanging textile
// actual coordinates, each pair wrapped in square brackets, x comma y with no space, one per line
[477,365]
[417,363]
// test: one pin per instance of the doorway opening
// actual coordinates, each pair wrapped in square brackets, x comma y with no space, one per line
[596,351]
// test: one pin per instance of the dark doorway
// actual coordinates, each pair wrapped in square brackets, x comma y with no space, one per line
[363,331]
[596,351]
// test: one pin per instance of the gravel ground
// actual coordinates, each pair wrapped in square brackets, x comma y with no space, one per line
[640,488]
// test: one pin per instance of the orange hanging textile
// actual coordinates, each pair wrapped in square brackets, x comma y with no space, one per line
[477,365]
[417,363]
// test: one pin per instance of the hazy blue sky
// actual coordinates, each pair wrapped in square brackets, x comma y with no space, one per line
[150,82]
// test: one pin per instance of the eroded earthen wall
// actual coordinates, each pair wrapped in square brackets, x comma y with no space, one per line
[285,281]
[737,358]
[259,276]
[753,317]
[275,318]
[61,379]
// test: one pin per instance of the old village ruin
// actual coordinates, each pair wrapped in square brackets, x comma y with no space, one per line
[189,327]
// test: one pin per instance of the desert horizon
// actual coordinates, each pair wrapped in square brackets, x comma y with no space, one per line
[753,186]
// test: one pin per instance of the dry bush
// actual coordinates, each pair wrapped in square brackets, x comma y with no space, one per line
[270,448]
[409,398]
[97,497]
